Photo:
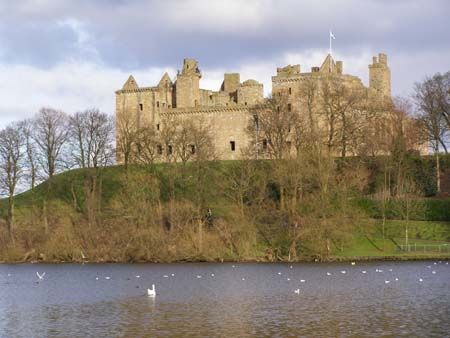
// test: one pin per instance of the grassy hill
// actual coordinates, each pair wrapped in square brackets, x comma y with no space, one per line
[160,213]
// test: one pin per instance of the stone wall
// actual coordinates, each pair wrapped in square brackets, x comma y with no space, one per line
[227,109]
[227,124]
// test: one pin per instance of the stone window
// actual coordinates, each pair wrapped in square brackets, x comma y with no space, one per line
[159,149]
[278,108]
[289,107]
[169,150]
[290,90]
[264,144]
[233,145]
[157,126]
[141,107]
[157,104]
[245,103]
[192,149]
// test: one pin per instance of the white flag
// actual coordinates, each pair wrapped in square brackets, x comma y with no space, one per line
[332,36]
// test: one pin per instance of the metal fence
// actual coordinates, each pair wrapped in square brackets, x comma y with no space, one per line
[414,247]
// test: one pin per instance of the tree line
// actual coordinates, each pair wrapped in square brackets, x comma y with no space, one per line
[303,198]
[35,149]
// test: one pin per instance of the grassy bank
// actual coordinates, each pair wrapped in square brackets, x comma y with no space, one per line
[217,211]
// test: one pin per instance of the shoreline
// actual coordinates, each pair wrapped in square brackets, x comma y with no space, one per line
[331,259]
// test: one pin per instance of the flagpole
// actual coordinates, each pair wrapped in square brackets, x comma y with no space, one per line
[329,36]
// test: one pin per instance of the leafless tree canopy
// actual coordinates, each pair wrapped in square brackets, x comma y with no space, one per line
[432,98]
[91,133]
[51,133]
[12,153]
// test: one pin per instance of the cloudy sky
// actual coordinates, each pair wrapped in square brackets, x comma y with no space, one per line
[73,54]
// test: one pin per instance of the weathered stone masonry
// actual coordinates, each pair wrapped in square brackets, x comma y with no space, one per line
[226,111]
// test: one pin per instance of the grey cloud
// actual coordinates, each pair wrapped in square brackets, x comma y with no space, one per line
[132,35]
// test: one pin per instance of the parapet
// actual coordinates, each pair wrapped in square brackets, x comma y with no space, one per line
[231,82]
[190,66]
[339,67]
[251,83]
[288,70]
[381,60]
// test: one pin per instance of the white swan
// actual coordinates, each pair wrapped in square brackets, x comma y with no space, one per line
[41,277]
[328,273]
[297,291]
[302,281]
[364,271]
[420,280]
[386,282]
[343,271]
[353,263]
[151,292]
[433,272]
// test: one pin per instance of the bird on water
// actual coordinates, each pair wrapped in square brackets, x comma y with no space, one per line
[151,292]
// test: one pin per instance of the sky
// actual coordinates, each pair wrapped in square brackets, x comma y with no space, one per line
[73,54]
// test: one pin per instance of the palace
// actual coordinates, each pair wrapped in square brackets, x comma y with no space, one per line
[226,111]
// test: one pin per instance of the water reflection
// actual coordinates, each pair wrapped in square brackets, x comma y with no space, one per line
[72,303]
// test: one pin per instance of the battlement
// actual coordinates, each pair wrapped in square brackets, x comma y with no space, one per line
[288,70]
[379,77]
[190,67]
[380,61]
[226,110]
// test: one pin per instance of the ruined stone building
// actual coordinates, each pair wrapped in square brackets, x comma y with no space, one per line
[226,111]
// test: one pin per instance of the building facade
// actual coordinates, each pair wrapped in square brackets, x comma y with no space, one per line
[227,111]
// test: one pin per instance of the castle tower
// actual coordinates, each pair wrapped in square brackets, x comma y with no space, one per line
[187,92]
[380,77]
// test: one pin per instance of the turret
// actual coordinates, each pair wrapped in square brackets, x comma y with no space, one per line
[380,76]
[188,85]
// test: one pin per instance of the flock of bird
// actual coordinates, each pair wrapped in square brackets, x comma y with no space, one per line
[152,292]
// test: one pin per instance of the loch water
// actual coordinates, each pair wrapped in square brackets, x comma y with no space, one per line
[391,299]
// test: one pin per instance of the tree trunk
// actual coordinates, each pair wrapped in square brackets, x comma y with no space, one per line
[11,218]
[438,174]
[200,236]
[44,216]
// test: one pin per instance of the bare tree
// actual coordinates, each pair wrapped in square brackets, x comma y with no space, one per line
[167,139]
[344,114]
[31,164]
[12,153]
[126,131]
[274,121]
[430,97]
[91,133]
[183,139]
[148,146]
[51,134]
